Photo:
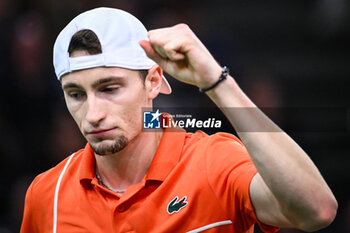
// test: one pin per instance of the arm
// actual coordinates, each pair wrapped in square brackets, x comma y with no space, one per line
[283,191]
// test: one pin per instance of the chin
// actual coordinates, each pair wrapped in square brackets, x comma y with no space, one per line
[108,147]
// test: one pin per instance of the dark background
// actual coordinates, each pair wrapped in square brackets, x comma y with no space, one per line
[285,55]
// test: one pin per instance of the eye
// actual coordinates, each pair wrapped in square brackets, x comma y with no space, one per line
[109,89]
[76,94]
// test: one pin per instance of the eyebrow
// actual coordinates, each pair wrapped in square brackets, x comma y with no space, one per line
[105,80]
[94,84]
[70,85]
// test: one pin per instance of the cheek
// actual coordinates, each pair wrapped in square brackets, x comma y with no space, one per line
[132,113]
[132,118]
[75,112]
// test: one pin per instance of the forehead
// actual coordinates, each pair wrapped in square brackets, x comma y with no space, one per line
[88,76]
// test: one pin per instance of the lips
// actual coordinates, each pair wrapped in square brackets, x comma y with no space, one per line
[100,132]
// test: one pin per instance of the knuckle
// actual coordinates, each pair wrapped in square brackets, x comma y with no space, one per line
[183,26]
[153,34]
[150,34]
[168,47]
[185,30]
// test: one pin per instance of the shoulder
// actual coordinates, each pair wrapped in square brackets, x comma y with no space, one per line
[218,141]
[200,135]
[218,151]
[40,195]
[46,181]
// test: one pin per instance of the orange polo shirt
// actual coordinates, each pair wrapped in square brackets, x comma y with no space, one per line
[195,183]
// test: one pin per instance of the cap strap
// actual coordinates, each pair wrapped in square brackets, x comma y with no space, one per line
[84,62]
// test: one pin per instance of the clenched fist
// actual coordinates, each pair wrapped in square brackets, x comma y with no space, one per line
[179,52]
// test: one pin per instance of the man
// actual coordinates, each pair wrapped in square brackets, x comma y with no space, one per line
[130,180]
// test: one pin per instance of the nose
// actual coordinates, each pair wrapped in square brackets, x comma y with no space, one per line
[95,112]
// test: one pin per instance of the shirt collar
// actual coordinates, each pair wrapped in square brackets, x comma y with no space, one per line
[167,154]
[87,165]
[166,157]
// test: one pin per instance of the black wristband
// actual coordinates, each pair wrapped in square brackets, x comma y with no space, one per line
[223,76]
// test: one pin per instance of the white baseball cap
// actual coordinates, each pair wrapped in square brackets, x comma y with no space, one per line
[119,34]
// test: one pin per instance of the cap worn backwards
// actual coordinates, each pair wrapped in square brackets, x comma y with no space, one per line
[119,34]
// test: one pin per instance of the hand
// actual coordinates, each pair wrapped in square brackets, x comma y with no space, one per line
[179,52]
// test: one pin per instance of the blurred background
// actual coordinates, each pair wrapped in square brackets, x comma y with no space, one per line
[285,55]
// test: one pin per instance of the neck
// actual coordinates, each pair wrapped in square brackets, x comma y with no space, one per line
[127,167]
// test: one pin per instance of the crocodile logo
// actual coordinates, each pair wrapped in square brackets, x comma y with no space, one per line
[176,206]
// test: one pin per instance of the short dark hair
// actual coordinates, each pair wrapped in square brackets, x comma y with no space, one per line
[87,40]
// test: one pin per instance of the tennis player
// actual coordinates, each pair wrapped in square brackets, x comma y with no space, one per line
[129,180]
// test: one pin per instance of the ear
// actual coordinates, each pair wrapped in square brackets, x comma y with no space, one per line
[154,81]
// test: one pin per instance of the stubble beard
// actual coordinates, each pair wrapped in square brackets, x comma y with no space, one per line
[119,144]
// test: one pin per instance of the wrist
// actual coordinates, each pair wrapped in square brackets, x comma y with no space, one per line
[222,77]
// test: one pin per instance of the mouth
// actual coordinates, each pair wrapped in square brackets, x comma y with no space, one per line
[100,132]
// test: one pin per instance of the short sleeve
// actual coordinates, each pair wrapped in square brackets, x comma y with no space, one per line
[230,171]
